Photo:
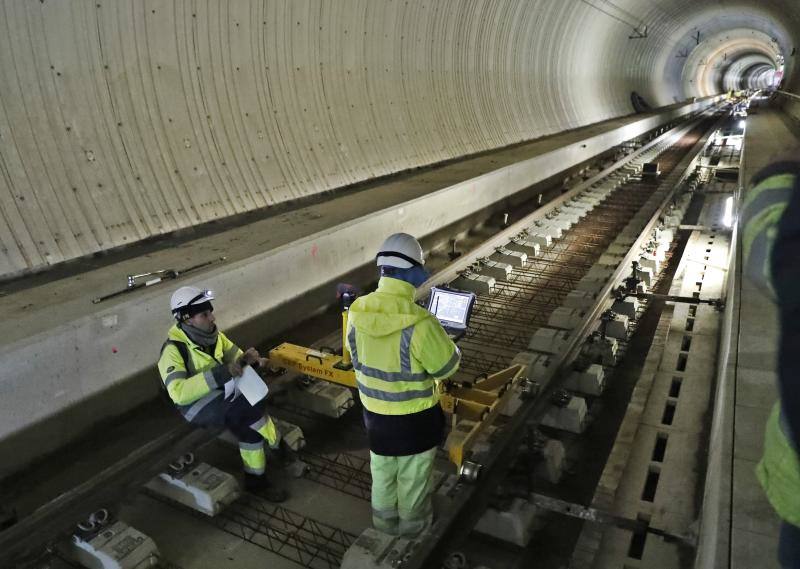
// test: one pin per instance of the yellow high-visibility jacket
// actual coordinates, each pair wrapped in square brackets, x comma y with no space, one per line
[192,384]
[762,212]
[399,350]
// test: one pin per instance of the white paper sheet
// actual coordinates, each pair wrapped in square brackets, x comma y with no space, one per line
[251,385]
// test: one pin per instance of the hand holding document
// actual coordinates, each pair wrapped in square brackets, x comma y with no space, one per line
[250,385]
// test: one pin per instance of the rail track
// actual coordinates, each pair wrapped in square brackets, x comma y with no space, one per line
[503,322]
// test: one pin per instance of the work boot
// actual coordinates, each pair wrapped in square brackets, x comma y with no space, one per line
[259,484]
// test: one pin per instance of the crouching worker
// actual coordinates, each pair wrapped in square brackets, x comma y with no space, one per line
[399,352]
[196,363]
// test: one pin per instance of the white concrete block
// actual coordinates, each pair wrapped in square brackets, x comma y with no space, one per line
[567,217]
[618,328]
[571,418]
[543,239]
[593,197]
[579,299]
[603,350]
[495,269]
[551,467]
[573,212]
[113,546]
[513,258]
[650,261]
[291,435]
[537,364]
[560,223]
[565,318]
[627,307]
[547,228]
[549,340]
[321,397]
[646,275]
[201,487]
[479,284]
[514,525]
[590,382]
[529,247]
[580,203]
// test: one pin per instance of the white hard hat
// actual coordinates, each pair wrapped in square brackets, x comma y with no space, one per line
[187,296]
[400,250]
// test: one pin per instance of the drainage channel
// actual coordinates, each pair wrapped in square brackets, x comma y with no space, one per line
[507,314]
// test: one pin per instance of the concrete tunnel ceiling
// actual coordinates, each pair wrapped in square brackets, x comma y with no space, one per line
[717,64]
[122,120]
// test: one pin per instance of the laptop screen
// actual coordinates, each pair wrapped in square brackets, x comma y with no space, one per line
[451,308]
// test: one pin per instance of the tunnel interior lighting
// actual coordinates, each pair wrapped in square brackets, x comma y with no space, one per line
[727,218]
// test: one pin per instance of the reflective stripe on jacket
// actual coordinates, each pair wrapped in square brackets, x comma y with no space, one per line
[762,212]
[193,388]
[779,469]
[399,350]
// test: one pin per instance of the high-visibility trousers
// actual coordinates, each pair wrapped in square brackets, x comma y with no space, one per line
[248,423]
[401,492]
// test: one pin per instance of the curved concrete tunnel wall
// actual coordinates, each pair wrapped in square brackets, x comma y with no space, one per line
[125,120]
[737,75]
[708,68]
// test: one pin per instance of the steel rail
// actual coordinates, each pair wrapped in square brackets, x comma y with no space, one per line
[788,94]
[56,519]
[467,501]
[23,541]
[487,248]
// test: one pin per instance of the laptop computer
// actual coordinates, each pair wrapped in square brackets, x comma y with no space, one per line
[452,308]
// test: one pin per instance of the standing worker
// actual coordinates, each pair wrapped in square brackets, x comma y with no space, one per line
[399,352]
[771,259]
[197,365]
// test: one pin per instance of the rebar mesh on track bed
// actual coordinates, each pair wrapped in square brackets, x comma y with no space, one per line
[344,472]
[302,540]
[307,542]
[505,319]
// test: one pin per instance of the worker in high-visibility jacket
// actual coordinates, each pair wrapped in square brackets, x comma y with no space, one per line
[198,364]
[771,258]
[399,353]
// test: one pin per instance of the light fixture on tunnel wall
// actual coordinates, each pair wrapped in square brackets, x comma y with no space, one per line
[727,218]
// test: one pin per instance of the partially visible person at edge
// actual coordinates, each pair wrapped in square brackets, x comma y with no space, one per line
[400,352]
[197,362]
[771,258]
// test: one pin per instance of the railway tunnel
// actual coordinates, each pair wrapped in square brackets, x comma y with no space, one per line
[577,168]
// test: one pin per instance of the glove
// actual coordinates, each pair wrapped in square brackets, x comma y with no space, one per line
[223,373]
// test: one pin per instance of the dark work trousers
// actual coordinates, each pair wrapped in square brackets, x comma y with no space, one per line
[789,546]
[237,415]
